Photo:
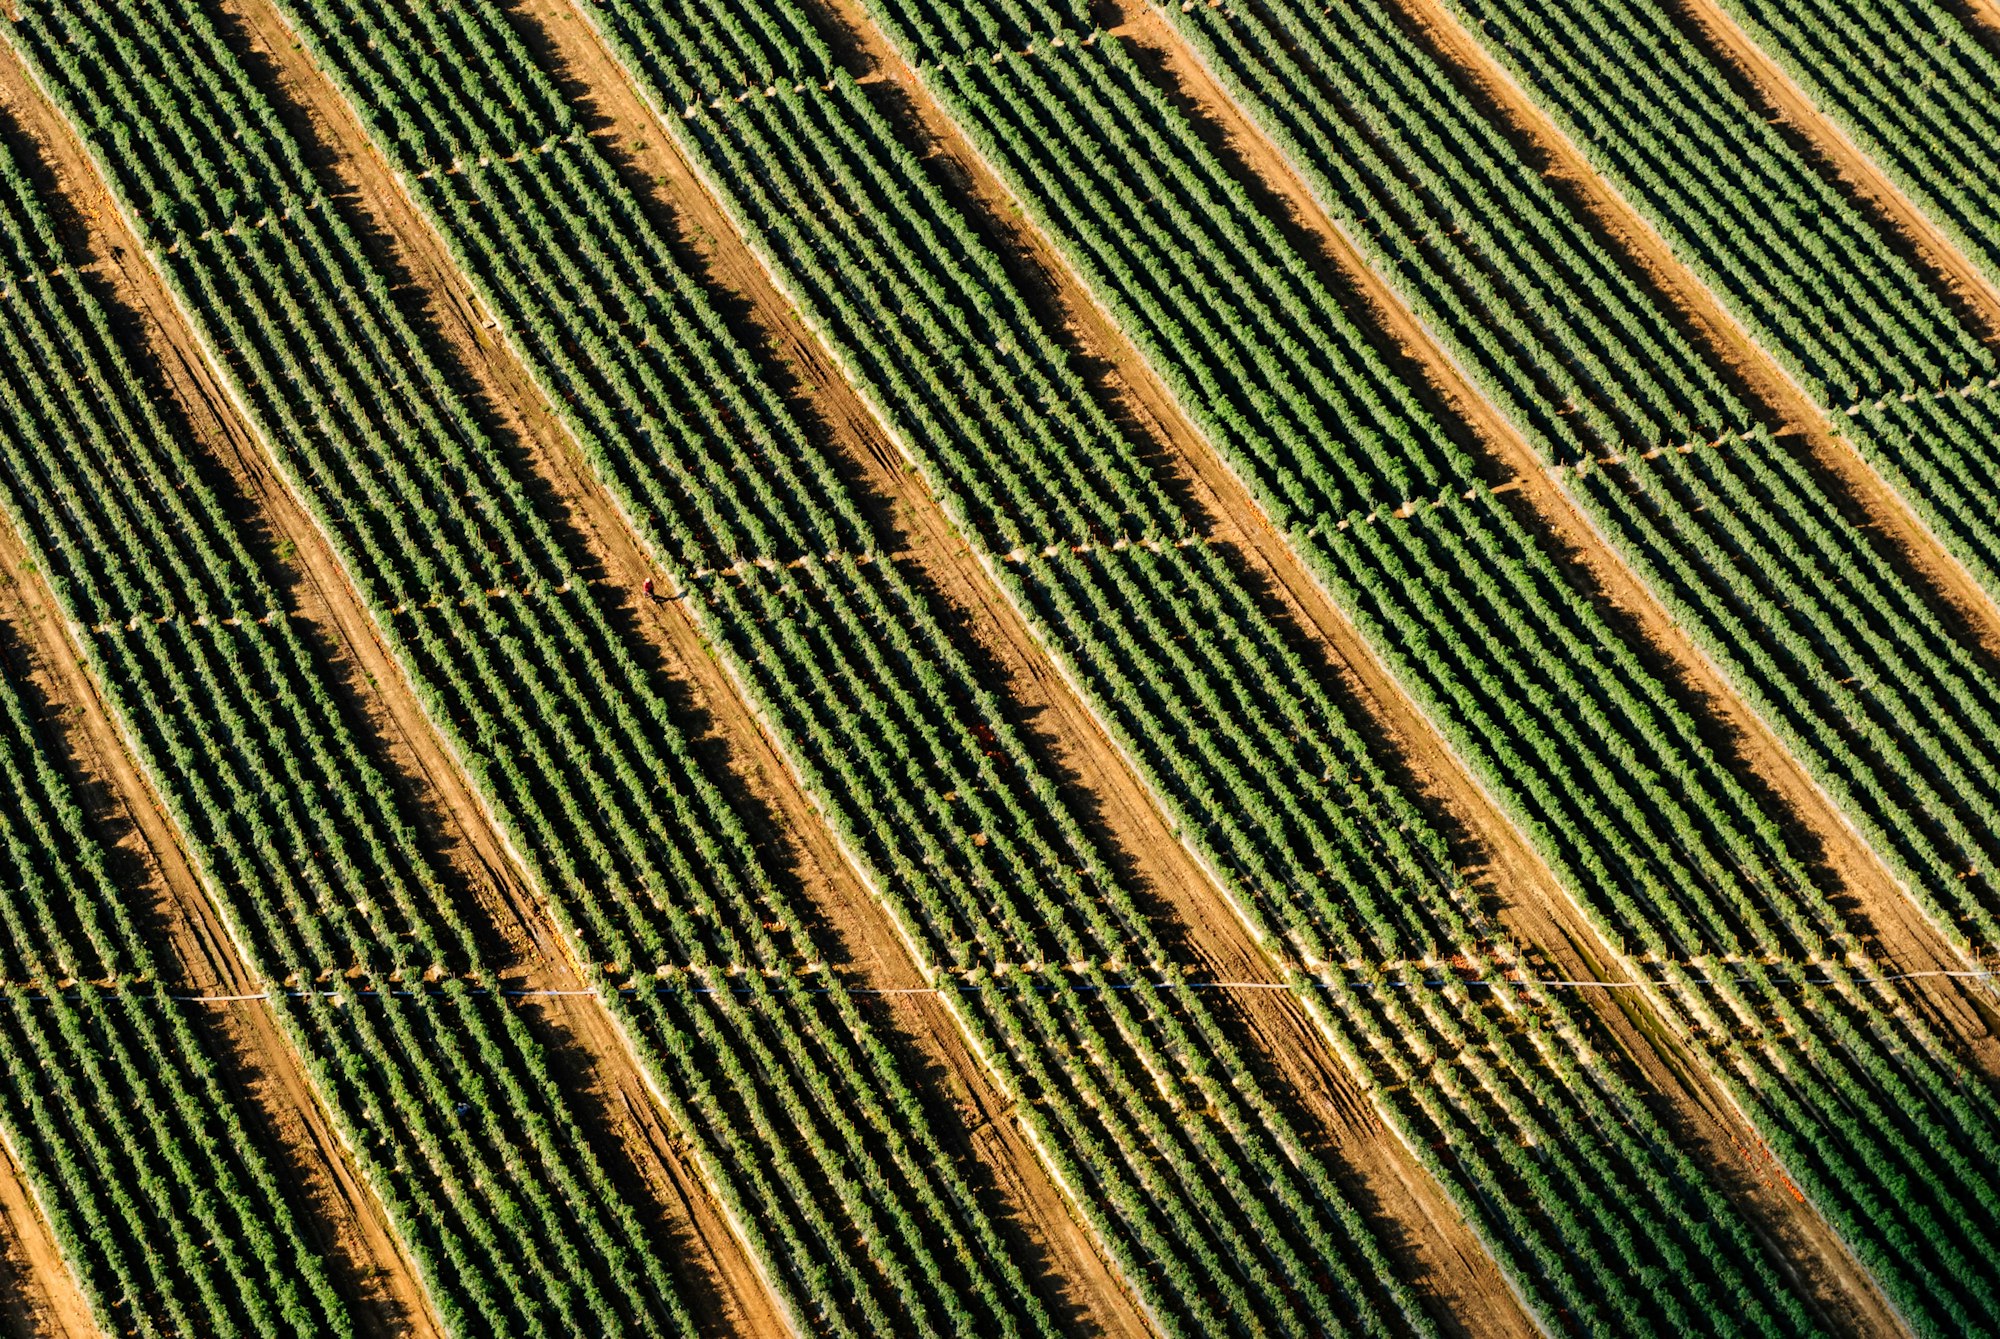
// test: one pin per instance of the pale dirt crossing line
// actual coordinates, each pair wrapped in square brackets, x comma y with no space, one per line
[1910,932]
[1452,1263]
[1968,608]
[670,630]
[257,1063]
[1536,910]
[509,916]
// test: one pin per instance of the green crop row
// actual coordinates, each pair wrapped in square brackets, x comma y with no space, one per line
[1608,770]
[1203,1191]
[447,1101]
[1260,764]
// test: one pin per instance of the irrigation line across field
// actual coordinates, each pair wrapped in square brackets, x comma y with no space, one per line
[1437,983]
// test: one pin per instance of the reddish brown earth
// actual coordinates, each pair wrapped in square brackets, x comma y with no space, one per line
[1446,1257]
[1536,910]
[1984,17]
[723,1288]
[862,928]
[1899,934]
[38,1298]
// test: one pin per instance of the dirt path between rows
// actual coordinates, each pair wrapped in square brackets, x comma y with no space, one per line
[258,1064]
[861,938]
[38,1297]
[1535,909]
[1983,17]
[1967,608]
[1898,931]
[515,931]
[1976,610]
[1447,1261]
[1727,39]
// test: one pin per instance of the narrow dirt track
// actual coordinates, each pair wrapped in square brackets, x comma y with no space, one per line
[1856,168]
[1903,936]
[38,1298]
[514,927]
[927,540]
[863,939]
[258,1063]
[1448,1261]
[1534,908]
[1983,16]
[1459,1270]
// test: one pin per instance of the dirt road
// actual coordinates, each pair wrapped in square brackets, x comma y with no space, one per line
[1534,908]
[38,1298]
[1861,173]
[258,1064]
[1286,1043]
[514,929]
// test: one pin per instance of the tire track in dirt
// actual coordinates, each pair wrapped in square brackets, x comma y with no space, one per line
[862,940]
[39,1298]
[1902,934]
[1726,39]
[1967,609]
[1426,1228]
[1536,910]
[513,927]
[258,1064]
[1983,17]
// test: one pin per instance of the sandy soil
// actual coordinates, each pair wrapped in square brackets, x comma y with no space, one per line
[516,928]
[1535,909]
[861,936]
[38,1298]
[1983,16]
[1727,38]
[1901,934]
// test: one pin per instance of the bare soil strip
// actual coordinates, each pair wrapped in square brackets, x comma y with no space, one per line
[861,938]
[518,932]
[863,926]
[38,1297]
[1983,17]
[1536,910]
[1856,168]
[258,1064]
[1903,936]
